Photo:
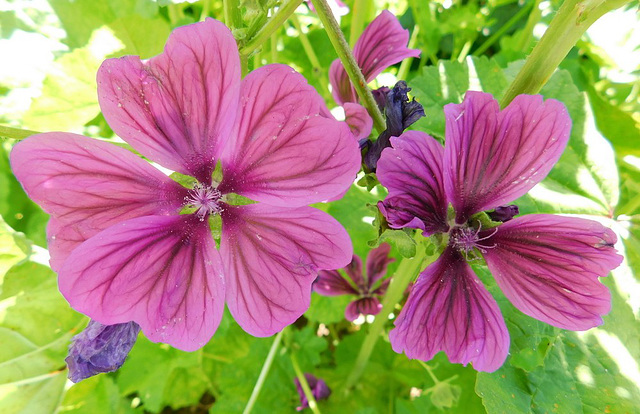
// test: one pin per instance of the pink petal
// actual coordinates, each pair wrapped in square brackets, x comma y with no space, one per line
[178,108]
[162,272]
[332,283]
[363,306]
[271,256]
[493,157]
[358,119]
[382,44]
[377,261]
[450,310]
[548,267]
[285,154]
[88,185]
[412,172]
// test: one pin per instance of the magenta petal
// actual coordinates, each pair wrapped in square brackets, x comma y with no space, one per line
[332,283]
[382,44]
[493,157]
[412,172]
[272,256]
[358,119]
[354,271]
[88,185]
[162,272]
[377,261]
[286,154]
[363,306]
[178,108]
[450,310]
[548,267]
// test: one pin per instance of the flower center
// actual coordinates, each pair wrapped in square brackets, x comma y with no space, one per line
[205,200]
[465,239]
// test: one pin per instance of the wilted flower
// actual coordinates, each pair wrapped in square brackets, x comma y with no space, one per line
[100,348]
[546,265]
[318,387]
[368,288]
[131,244]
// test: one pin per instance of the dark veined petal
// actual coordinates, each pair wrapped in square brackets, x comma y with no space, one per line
[364,306]
[493,157]
[450,310]
[100,348]
[178,108]
[272,256]
[377,261]
[412,172]
[164,273]
[548,267]
[286,154]
[354,272]
[358,119]
[382,44]
[88,185]
[332,283]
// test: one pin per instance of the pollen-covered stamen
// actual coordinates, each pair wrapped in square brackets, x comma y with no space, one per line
[465,239]
[205,199]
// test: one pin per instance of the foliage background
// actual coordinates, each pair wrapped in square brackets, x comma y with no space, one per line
[49,54]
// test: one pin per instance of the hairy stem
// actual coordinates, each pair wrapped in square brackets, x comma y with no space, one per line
[263,373]
[349,62]
[573,18]
[279,17]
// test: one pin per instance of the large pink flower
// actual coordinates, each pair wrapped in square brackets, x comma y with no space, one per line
[546,265]
[122,248]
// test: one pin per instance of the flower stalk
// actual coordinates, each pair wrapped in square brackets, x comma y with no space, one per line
[360,11]
[313,404]
[311,54]
[349,62]
[270,27]
[573,18]
[406,272]
[263,373]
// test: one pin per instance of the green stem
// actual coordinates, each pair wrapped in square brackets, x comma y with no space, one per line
[508,25]
[263,373]
[564,31]
[429,371]
[358,14]
[406,272]
[527,33]
[406,64]
[274,47]
[465,51]
[311,54]
[15,133]
[271,26]
[232,17]
[304,384]
[206,5]
[349,62]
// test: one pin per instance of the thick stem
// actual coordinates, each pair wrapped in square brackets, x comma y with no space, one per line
[311,54]
[349,62]
[406,272]
[564,31]
[232,17]
[15,133]
[263,373]
[270,27]
[304,384]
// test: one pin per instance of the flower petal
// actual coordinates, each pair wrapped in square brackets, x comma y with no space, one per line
[377,261]
[332,283]
[382,44]
[162,272]
[493,157]
[88,185]
[178,108]
[450,310]
[364,306]
[358,119]
[271,257]
[354,272]
[412,172]
[548,267]
[285,154]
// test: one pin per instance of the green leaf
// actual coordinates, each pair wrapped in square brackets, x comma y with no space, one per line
[94,395]
[327,309]
[15,248]
[400,239]
[617,125]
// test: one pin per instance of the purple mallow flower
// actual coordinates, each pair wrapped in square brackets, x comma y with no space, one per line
[100,348]
[368,288]
[318,387]
[131,244]
[546,265]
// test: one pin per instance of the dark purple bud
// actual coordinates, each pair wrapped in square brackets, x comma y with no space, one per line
[380,96]
[318,387]
[100,348]
[400,113]
[504,213]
